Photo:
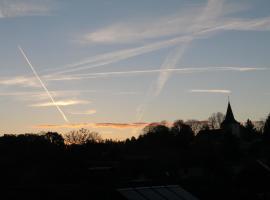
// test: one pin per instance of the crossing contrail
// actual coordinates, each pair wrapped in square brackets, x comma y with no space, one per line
[42,84]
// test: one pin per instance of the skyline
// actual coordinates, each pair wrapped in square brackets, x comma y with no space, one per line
[131,63]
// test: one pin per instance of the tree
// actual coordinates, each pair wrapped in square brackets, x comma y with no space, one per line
[82,136]
[266,128]
[250,132]
[215,120]
[54,138]
[183,132]
[155,135]
[195,125]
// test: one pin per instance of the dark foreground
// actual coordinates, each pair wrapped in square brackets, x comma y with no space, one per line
[214,164]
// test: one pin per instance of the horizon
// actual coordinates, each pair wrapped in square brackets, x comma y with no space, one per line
[114,67]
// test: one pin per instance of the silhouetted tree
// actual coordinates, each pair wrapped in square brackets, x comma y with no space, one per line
[195,125]
[205,127]
[183,132]
[266,129]
[249,132]
[215,120]
[155,135]
[82,136]
[54,138]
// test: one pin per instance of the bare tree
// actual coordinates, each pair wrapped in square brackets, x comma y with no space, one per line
[215,120]
[81,136]
[196,125]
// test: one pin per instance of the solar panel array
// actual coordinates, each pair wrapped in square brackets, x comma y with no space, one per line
[171,192]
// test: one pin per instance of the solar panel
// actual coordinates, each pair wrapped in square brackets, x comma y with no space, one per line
[131,194]
[149,193]
[172,192]
[181,192]
[163,191]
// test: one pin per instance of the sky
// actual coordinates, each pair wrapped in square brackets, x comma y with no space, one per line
[113,66]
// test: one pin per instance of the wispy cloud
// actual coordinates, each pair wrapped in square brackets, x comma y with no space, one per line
[116,56]
[212,20]
[24,81]
[21,81]
[87,112]
[38,96]
[182,23]
[215,91]
[18,8]
[209,22]
[95,125]
[120,125]
[134,31]
[139,72]
[209,14]
[61,103]
[109,125]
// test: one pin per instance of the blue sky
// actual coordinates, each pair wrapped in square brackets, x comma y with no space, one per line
[110,64]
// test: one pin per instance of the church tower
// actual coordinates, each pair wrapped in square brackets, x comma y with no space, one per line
[229,124]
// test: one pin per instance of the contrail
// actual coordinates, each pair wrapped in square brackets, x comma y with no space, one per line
[211,11]
[107,58]
[198,32]
[42,84]
[222,91]
[135,72]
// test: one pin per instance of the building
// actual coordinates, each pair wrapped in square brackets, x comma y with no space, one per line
[229,124]
[169,192]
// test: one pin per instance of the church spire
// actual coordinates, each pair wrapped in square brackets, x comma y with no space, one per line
[229,118]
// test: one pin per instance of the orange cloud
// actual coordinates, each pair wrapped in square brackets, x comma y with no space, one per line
[61,103]
[87,112]
[95,125]
[121,125]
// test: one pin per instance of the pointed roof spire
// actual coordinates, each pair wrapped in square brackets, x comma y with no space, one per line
[229,118]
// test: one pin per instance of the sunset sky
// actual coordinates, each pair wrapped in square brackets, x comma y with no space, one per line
[115,65]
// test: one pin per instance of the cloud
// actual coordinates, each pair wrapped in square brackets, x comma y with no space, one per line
[95,125]
[37,96]
[209,14]
[134,31]
[212,20]
[21,81]
[169,63]
[61,103]
[112,57]
[18,8]
[199,30]
[109,125]
[261,24]
[126,93]
[209,22]
[182,23]
[215,91]
[87,112]
[139,72]
[213,15]
[120,125]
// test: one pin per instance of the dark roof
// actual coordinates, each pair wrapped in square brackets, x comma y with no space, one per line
[229,118]
[172,192]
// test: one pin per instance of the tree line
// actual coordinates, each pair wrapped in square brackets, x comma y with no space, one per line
[178,154]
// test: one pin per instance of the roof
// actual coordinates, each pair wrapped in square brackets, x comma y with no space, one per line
[172,192]
[229,118]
